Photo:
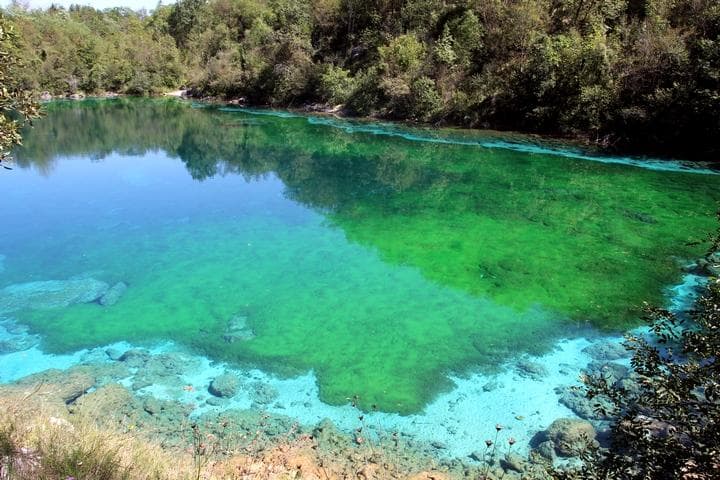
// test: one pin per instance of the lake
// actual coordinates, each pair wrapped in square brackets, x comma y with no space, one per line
[381,263]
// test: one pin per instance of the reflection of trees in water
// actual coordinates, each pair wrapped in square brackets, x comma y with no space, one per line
[327,168]
[320,166]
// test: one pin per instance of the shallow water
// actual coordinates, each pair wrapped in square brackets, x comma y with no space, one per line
[379,262]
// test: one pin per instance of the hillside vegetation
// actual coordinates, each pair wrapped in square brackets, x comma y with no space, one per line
[634,74]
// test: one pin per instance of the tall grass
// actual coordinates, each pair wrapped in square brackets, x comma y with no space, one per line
[37,442]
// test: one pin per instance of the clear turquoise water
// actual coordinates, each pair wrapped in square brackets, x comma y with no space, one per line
[379,257]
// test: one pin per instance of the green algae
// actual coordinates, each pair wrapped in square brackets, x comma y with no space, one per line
[414,259]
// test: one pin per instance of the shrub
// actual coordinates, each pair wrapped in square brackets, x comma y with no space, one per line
[668,418]
[335,84]
[424,101]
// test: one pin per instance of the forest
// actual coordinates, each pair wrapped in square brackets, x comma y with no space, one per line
[638,76]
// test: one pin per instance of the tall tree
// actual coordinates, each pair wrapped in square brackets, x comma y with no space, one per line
[17,106]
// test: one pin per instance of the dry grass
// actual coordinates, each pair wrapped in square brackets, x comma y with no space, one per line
[39,440]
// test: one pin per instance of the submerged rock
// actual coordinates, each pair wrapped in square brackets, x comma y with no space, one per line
[225,385]
[14,328]
[610,371]
[707,266]
[113,354]
[237,329]
[589,409]
[135,357]
[513,462]
[216,401]
[140,382]
[713,266]
[18,343]
[546,450]
[492,385]
[165,365]
[532,370]
[477,455]
[67,385]
[263,394]
[571,436]
[606,351]
[15,337]
[112,296]
[152,405]
[50,294]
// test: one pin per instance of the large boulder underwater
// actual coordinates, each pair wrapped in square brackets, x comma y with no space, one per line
[571,436]
[225,385]
[113,294]
[46,294]
[14,337]
[237,329]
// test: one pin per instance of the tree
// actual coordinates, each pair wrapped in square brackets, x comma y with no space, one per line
[182,19]
[17,106]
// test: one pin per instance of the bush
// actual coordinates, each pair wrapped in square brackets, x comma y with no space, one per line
[424,101]
[365,99]
[668,418]
[335,85]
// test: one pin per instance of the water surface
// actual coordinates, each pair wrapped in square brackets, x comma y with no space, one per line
[377,261]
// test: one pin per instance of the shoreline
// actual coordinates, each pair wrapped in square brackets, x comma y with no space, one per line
[525,396]
[581,144]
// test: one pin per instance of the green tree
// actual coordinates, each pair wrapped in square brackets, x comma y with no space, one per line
[17,106]
[628,74]
[182,19]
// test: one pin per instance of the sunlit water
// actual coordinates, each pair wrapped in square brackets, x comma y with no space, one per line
[380,258]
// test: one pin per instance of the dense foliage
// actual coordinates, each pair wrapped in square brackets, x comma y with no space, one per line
[631,73]
[83,50]
[668,415]
[16,105]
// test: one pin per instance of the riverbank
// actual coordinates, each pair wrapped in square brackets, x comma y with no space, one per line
[581,145]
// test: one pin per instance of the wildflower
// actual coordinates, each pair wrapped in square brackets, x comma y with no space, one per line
[511,441]
[498,427]
[488,443]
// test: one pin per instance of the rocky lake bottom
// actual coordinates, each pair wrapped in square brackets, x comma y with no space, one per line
[530,405]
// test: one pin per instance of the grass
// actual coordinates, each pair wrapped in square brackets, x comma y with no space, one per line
[40,441]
